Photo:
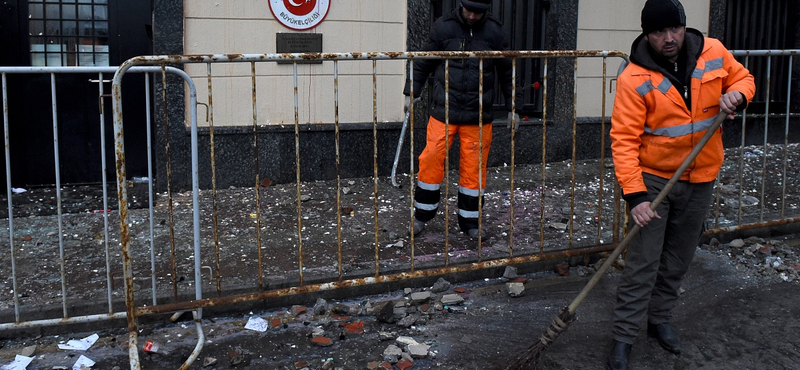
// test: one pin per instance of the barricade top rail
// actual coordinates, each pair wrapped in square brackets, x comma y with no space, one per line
[208,58]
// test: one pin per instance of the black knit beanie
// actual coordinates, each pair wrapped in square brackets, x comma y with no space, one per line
[477,6]
[660,14]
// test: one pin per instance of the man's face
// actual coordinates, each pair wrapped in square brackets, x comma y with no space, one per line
[470,16]
[667,42]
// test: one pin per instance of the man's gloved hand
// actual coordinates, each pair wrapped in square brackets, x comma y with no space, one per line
[407,104]
[515,117]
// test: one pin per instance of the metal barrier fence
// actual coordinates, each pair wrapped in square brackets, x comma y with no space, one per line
[526,203]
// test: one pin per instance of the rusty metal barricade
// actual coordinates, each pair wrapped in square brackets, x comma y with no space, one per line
[530,235]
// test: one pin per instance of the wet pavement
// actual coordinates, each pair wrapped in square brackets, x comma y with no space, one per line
[726,318]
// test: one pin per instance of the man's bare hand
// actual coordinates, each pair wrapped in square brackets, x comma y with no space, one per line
[642,214]
[729,101]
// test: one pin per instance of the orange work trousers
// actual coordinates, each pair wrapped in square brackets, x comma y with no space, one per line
[431,170]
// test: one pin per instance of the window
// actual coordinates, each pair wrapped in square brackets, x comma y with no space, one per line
[68,32]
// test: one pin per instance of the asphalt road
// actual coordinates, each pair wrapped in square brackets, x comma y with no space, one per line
[726,320]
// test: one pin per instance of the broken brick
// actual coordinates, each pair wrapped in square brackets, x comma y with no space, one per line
[322,341]
[404,364]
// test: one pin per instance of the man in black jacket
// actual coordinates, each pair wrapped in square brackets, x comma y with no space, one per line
[467,28]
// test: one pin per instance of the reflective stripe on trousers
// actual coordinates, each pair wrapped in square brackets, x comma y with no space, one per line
[431,171]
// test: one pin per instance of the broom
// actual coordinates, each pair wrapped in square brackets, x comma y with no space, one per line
[531,357]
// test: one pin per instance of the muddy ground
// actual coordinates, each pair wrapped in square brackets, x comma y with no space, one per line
[738,310]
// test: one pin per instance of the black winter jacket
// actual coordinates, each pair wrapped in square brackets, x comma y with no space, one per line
[452,33]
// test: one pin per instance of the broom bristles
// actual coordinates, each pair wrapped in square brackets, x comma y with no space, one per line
[529,360]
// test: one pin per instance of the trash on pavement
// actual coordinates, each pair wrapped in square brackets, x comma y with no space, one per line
[257,323]
[82,363]
[80,345]
[19,363]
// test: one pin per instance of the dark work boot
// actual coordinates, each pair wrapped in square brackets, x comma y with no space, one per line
[665,336]
[618,357]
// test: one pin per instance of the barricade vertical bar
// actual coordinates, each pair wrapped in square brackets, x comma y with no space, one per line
[601,189]
[150,199]
[258,182]
[741,158]
[102,107]
[412,184]
[513,153]
[574,150]
[338,167]
[213,180]
[375,160]
[786,137]
[54,104]
[480,157]
[7,140]
[447,162]
[544,156]
[167,161]
[766,144]
[122,196]
[297,169]
[198,280]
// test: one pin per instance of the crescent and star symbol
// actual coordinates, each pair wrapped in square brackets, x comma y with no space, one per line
[296,4]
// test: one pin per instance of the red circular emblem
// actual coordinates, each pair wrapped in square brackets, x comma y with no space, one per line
[299,7]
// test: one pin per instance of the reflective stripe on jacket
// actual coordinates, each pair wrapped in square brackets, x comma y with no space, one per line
[652,129]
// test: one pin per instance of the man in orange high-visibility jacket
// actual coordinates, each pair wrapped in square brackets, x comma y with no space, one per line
[677,82]
[469,27]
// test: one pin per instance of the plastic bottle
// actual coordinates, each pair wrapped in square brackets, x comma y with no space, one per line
[154,347]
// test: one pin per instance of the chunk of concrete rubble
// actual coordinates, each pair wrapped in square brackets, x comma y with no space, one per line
[419,297]
[328,364]
[209,361]
[418,350]
[341,309]
[386,313]
[385,335]
[407,291]
[407,321]
[320,307]
[407,341]
[440,285]
[392,354]
[510,272]
[28,351]
[515,289]
[452,299]
[736,243]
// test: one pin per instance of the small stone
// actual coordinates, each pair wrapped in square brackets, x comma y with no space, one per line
[341,309]
[406,340]
[407,321]
[386,313]
[510,272]
[418,350]
[562,269]
[737,243]
[385,335]
[452,299]
[440,285]
[420,296]
[28,351]
[320,307]
[305,198]
[209,361]
[392,354]
[515,289]
[328,364]
[407,291]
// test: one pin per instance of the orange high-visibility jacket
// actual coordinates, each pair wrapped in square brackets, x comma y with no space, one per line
[653,131]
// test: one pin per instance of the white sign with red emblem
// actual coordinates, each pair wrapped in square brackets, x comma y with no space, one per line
[300,14]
